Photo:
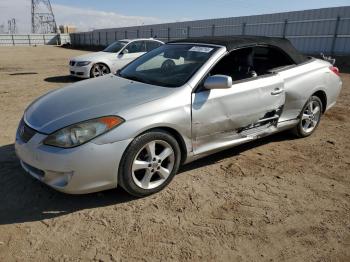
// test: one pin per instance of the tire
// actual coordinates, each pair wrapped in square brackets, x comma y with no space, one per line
[98,70]
[309,121]
[144,169]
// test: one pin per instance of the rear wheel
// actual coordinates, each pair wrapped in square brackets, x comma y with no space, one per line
[310,117]
[99,70]
[150,163]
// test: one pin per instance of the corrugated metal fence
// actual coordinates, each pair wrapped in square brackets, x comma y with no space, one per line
[311,31]
[33,39]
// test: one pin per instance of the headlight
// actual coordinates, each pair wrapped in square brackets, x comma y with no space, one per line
[83,132]
[84,63]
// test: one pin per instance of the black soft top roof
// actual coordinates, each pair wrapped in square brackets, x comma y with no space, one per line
[234,42]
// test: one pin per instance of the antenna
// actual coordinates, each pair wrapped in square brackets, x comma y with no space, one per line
[43,19]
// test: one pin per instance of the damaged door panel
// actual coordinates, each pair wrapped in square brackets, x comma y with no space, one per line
[231,116]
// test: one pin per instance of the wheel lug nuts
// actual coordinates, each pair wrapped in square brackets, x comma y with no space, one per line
[154,159]
[159,161]
[152,170]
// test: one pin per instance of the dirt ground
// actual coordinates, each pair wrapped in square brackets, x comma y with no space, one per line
[276,199]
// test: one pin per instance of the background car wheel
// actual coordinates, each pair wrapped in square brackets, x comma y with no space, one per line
[310,117]
[99,70]
[149,163]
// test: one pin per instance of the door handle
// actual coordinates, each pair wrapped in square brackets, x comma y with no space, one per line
[277,91]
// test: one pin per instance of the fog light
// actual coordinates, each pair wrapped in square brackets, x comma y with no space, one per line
[58,179]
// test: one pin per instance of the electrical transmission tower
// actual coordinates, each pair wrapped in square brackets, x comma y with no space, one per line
[12,28]
[2,29]
[43,19]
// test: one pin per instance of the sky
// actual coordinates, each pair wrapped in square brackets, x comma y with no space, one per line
[93,14]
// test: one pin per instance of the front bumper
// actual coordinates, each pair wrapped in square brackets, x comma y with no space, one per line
[80,71]
[84,169]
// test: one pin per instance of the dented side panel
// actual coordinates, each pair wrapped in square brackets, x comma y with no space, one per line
[219,115]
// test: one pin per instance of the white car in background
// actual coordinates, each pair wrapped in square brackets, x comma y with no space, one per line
[114,57]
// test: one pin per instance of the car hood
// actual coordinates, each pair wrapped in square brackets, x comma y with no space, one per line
[94,56]
[88,99]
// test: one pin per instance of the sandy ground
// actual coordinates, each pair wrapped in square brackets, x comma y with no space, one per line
[276,199]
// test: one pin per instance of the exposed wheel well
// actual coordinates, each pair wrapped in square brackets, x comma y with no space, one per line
[178,138]
[323,97]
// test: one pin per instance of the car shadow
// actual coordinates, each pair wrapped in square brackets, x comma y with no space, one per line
[61,79]
[24,199]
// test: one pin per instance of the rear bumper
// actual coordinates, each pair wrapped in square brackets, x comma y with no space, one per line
[84,169]
[80,71]
[334,93]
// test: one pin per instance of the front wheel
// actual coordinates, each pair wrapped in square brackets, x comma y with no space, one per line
[99,70]
[310,117]
[149,163]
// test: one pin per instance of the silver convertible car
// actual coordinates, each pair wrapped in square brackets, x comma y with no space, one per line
[181,101]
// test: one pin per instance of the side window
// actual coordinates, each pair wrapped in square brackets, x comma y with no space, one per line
[150,45]
[136,47]
[237,64]
[268,58]
[251,62]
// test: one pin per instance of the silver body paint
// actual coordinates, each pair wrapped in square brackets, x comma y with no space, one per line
[205,121]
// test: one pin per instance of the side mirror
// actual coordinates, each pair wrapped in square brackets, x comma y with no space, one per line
[125,51]
[218,82]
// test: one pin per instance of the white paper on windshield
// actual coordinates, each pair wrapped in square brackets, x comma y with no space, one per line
[201,49]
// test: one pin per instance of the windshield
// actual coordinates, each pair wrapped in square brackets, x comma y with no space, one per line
[115,47]
[170,65]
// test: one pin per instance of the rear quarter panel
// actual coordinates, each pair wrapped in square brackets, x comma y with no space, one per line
[304,80]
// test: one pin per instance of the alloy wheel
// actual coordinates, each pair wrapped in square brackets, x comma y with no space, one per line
[311,116]
[153,164]
[99,70]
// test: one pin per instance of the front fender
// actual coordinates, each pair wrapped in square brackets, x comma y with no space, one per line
[172,112]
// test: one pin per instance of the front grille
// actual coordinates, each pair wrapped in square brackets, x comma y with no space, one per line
[25,132]
[72,63]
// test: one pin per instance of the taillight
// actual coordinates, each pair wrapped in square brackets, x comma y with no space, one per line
[334,69]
